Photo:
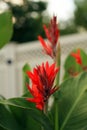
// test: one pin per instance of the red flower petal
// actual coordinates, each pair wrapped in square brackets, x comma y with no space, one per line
[47,33]
[46,47]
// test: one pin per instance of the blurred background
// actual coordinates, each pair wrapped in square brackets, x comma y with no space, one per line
[28,19]
[29,16]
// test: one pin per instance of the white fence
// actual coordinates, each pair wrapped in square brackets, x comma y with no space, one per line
[14,56]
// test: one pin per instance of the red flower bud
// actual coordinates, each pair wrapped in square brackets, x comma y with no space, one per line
[77,56]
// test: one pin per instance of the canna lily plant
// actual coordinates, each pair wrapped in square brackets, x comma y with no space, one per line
[47,104]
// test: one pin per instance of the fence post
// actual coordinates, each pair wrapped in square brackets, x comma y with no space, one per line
[10,71]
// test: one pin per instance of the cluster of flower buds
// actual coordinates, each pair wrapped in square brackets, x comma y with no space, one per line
[52,34]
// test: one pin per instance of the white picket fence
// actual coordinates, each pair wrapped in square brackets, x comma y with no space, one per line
[14,56]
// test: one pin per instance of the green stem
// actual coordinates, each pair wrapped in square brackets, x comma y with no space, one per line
[57,60]
[56,116]
[42,128]
[45,111]
[45,108]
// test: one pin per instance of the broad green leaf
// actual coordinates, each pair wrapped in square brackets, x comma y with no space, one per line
[7,120]
[6,27]
[1,128]
[24,119]
[72,68]
[25,77]
[31,111]
[72,104]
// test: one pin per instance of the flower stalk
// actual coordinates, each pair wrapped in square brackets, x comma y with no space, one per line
[56,116]
[52,48]
[57,81]
[58,62]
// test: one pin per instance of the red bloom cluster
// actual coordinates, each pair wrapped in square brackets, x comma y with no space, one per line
[52,34]
[42,84]
[77,56]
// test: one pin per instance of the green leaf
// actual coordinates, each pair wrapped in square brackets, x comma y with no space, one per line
[24,119]
[72,68]
[1,97]
[1,128]
[31,111]
[6,27]
[25,77]
[7,120]
[72,104]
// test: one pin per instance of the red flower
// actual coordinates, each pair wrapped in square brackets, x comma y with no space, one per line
[52,34]
[77,56]
[38,99]
[42,83]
